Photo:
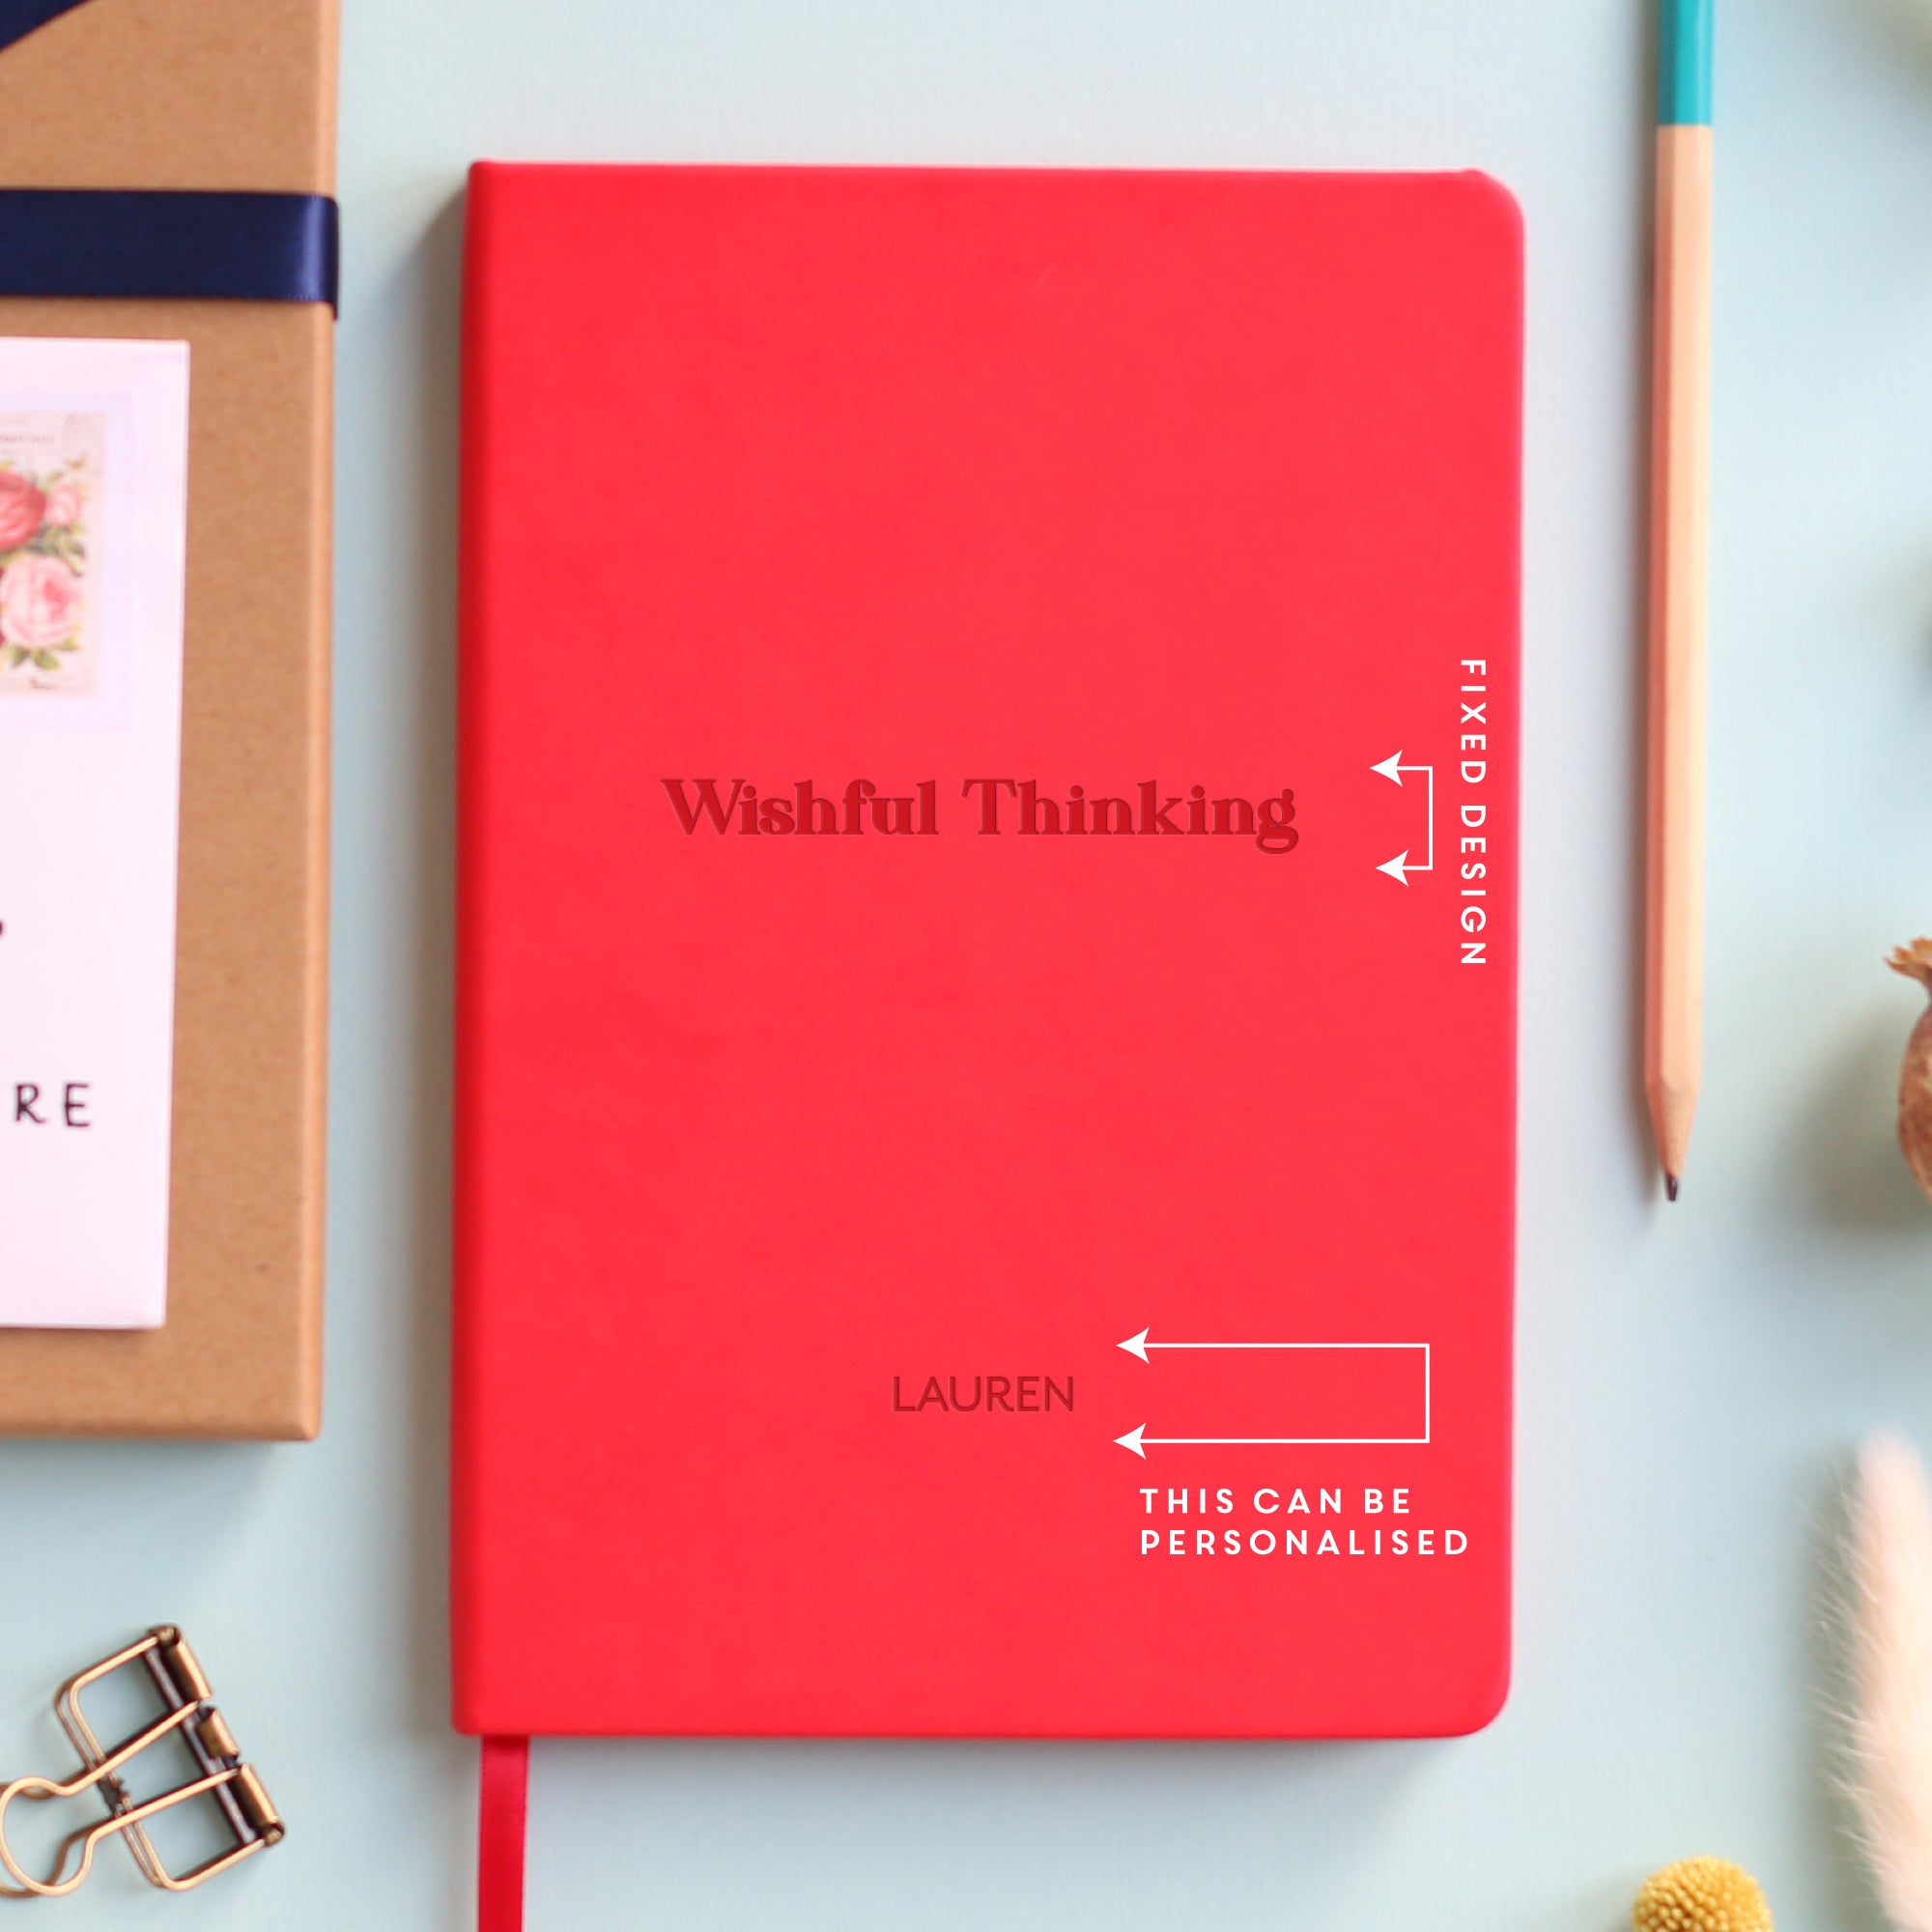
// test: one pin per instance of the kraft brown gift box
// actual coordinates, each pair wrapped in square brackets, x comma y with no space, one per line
[217,94]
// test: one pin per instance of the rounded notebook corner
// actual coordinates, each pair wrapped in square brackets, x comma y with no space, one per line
[1499,201]
[1487,1699]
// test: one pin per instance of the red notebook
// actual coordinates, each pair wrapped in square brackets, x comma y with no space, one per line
[986,1009]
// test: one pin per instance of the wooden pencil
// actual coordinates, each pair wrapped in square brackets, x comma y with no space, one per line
[1679,578]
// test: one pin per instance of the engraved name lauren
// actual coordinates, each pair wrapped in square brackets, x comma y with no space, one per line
[965,1395]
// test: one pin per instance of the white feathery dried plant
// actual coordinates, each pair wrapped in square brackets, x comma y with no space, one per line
[1888,1627]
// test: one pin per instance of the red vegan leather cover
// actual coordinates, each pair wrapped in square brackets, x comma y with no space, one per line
[986,1006]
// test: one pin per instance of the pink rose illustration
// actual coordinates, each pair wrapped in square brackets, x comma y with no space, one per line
[39,602]
[63,504]
[21,508]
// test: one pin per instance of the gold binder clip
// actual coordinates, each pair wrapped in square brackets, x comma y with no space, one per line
[189,1715]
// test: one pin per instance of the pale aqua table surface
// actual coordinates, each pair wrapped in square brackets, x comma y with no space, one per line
[1691,1379]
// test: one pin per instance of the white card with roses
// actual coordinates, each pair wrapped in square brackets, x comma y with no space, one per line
[93,564]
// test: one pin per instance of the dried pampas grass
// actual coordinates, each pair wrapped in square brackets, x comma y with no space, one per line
[1889,1626]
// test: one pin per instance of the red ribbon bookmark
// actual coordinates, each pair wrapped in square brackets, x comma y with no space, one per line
[503,1801]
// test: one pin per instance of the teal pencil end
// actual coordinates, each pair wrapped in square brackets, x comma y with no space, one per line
[1684,61]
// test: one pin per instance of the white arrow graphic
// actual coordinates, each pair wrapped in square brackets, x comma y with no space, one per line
[1398,868]
[1140,1441]
[1138,1345]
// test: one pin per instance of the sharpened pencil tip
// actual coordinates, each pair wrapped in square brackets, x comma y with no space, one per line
[1670,1186]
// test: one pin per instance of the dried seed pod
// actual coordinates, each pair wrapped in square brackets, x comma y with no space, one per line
[1915,1077]
[1701,1895]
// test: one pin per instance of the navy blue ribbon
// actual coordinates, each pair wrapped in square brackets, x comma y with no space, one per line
[19,17]
[198,244]
[150,243]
